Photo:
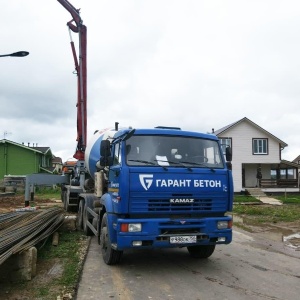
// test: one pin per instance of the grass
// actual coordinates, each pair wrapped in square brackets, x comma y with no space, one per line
[48,193]
[244,199]
[69,253]
[288,212]
[45,192]
[289,199]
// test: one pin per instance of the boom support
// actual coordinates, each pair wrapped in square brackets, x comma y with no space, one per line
[76,25]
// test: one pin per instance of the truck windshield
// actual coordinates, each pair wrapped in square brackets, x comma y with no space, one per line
[173,151]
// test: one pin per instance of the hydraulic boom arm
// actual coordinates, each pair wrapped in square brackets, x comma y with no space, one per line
[76,25]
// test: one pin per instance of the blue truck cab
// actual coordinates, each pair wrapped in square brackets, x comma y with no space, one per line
[163,188]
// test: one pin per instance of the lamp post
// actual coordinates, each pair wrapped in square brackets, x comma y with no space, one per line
[16,54]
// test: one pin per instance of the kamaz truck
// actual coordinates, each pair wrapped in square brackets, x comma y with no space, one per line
[146,188]
[156,188]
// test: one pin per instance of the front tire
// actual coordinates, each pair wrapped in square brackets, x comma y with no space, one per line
[203,251]
[110,255]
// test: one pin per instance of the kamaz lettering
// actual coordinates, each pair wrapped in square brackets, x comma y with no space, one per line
[188,183]
[182,200]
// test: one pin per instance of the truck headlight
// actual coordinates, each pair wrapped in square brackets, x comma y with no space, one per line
[134,227]
[222,225]
[131,227]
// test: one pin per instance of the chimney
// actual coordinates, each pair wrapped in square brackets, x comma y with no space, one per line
[213,130]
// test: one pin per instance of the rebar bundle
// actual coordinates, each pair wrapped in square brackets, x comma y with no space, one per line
[21,230]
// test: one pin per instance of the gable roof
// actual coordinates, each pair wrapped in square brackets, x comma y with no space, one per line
[56,160]
[296,159]
[44,150]
[230,126]
[41,150]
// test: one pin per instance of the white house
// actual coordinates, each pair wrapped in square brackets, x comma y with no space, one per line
[257,157]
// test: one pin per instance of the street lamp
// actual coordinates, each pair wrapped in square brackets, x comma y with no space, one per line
[16,54]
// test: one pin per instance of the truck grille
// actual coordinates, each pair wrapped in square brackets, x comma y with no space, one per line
[163,205]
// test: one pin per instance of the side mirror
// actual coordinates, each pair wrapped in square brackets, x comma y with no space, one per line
[228,154]
[106,161]
[105,154]
[105,148]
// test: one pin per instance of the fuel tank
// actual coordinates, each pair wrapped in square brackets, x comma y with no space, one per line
[92,152]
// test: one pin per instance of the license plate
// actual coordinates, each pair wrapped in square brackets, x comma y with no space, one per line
[183,239]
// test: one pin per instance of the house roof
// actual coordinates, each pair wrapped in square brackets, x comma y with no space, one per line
[289,163]
[230,126]
[56,160]
[42,150]
[296,159]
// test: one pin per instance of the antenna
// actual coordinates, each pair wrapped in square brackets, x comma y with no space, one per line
[6,133]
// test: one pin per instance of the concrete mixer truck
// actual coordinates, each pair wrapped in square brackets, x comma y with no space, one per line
[159,187]
[155,188]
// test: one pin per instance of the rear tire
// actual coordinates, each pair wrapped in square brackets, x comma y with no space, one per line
[203,251]
[109,255]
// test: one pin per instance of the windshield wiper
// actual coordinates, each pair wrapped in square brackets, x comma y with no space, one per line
[199,164]
[142,161]
[161,160]
[181,164]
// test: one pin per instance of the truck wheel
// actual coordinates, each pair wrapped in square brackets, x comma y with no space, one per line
[86,229]
[79,220]
[110,256]
[203,251]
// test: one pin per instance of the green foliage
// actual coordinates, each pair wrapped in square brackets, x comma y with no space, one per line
[48,192]
[69,253]
[275,213]
[43,291]
[289,198]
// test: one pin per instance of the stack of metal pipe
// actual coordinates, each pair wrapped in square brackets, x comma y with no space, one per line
[21,230]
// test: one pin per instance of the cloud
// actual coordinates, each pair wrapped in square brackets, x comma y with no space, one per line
[193,64]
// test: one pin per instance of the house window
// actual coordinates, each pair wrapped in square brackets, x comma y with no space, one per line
[225,142]
[273,174]
[260,146]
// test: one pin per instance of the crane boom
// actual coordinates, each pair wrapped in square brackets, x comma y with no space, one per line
[76,25]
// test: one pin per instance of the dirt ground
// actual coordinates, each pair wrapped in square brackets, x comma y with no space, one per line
[11,203]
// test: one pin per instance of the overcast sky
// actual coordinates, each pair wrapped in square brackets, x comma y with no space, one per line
[193,64]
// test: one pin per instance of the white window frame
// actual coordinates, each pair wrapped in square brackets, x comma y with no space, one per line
[260,146]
